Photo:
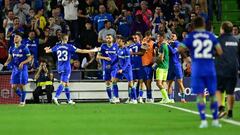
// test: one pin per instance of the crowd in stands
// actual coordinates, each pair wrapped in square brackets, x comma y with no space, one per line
[42,22]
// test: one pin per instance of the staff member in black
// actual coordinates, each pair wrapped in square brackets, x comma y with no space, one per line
[227,68]
[44,82]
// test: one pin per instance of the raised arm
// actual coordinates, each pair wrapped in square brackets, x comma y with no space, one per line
[48,50]
[87,51]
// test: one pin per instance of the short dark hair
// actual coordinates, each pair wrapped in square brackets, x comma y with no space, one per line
[19,34]
[236,26]
[197,4]
[15,18]
[139,34]
[148,33]
[198,22]
[121,38]
[227,26]
[106,21]
[162,34]
[32,31]
[110,35]
[9,11]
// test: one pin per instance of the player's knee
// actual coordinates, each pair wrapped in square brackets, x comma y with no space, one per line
[180,81]
[200,99]
[63,83]
[159,84]
[130,84]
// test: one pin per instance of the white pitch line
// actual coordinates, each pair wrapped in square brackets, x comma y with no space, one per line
[233,122]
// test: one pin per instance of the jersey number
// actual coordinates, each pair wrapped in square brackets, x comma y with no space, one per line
[202,48]
[135,49]
[62,55]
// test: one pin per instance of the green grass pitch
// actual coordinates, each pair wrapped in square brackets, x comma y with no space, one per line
[106,119]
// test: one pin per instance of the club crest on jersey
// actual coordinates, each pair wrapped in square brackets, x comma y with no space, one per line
[20,50]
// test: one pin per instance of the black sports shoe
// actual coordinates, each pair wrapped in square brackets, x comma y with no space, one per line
[221,114]
[230,114]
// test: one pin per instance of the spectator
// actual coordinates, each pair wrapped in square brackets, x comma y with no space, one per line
[106,31]
[9,4]
[3,49]
[124,22]
[235,32]
[56,14]
[37,4]
[16,28]
[53,26]
[75,64]
[44,82]
[199,12]
[88,37]
[217,9]
[71,16]
[158,18]
[22,11]
[177,14]
[34,27]
[87,10]
[8,22]
[47,41]
[90,62]
[112,8]
[165,6]
[101,18]
[41,20]
[163,28]
[32,42]
[201,3]
[186,8]
[139,25]
[146,13]
[30,16]
[132,5]
[193,15]
[101,2]
[176,28]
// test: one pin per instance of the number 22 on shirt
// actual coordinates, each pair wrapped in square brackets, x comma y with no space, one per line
[202,48]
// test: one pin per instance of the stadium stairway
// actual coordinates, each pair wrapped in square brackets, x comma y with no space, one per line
[230,12]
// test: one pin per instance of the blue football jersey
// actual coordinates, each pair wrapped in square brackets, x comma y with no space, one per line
[64,53]
[173,53]
[124,60]
[201,44]
[32,45]
[111,52]
[136,60]
[19,54]
[100,18]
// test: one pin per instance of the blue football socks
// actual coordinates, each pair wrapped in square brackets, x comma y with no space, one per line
[59,90]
